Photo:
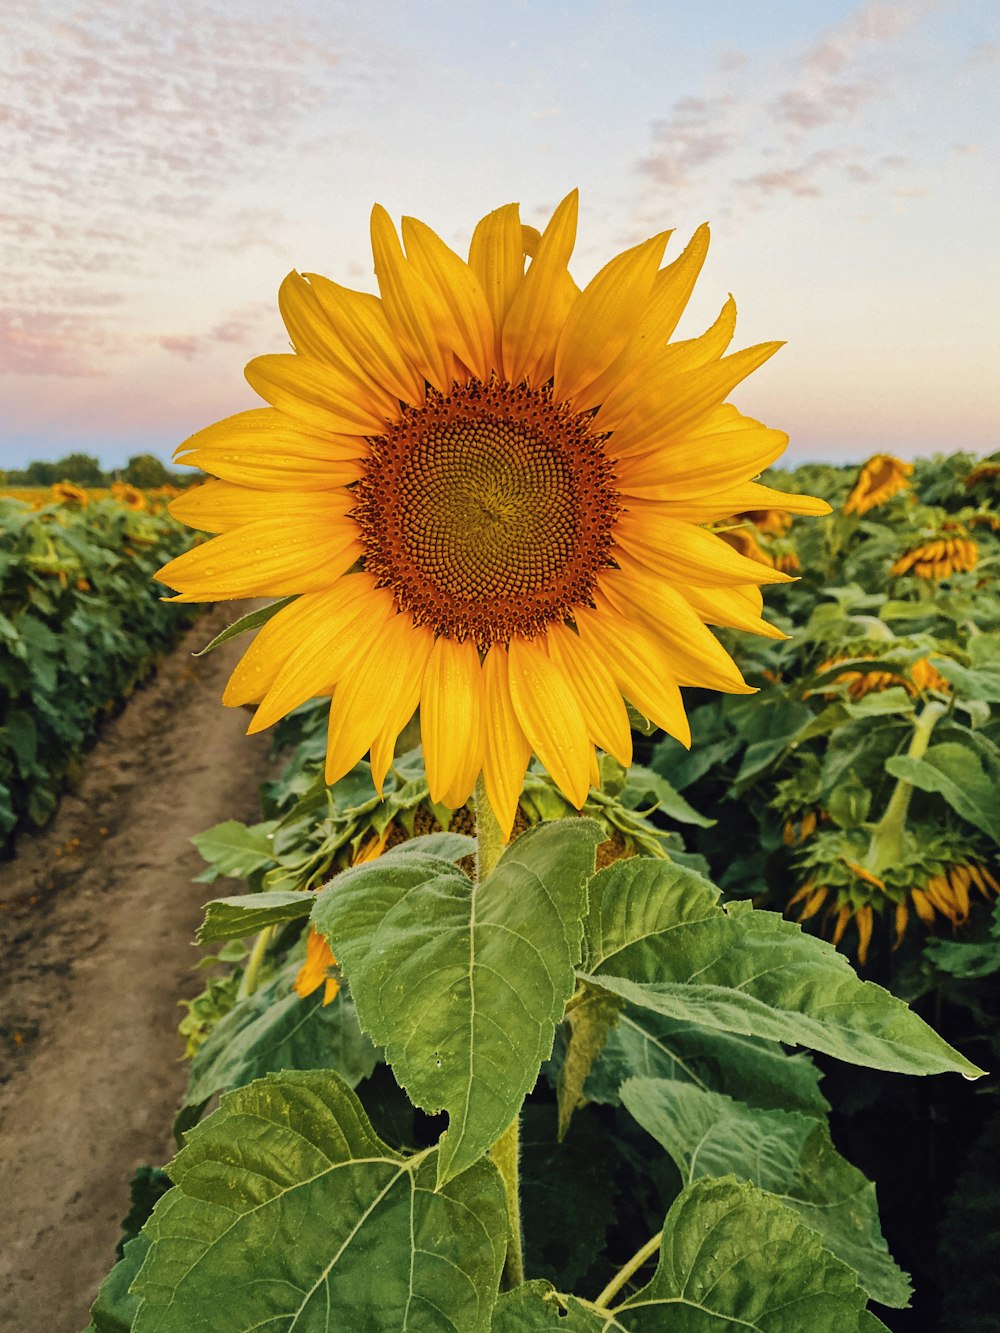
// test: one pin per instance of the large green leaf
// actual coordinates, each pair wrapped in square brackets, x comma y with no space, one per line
[291,1214]
[276,1029]
[463,983]
[246,913]
[732,1257]
[760,1073]
[115,1307]
[235,850]
[787,1154]
[956,773]
[656,936]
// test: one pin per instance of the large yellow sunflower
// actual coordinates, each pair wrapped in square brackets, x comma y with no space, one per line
[487,490]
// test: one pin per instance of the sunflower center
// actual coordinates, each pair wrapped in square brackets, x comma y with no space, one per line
[488,512]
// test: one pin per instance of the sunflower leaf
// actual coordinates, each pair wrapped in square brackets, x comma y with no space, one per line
[656,936]
[246,913]
[787,1154]
[732,1256]
[293,1156]
[954,772]
[464,983]
[252,620]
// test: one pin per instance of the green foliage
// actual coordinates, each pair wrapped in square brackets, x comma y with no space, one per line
[656,936]
[80,624]
[294,1156]
[145,471]
[464,983]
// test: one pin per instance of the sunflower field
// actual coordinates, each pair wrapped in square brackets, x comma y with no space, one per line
[580,1003]
[80,624]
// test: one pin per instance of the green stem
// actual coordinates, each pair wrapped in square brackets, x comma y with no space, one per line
[507,1149]
[886,845]
[251,972]
[623,1274]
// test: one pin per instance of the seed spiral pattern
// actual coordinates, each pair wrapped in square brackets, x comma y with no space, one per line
[488,512]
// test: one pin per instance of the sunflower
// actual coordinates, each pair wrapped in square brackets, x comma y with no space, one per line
[127,495]
[922,676]
[879,479]
[938,559]
[64,492]
[486,490]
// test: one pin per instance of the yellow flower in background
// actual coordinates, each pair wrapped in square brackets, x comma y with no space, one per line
[879,479]
[64,492]
[922,676]
[128,495]
[315,971]
[939,559]
[487,489]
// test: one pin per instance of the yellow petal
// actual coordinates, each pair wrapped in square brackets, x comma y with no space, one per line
[672,288]
[603,319]
[220,506]
[728,607]
[507,749]
[314,336]
[265,559]
[420,319]
[678,404]
[721,453]
[682,553]
[314,393]
[550,717]
[280,636]
[353,613]
[595,691]
[458,288]
[641,666]
[376,683]
[451,716]
[697,656]
[410,672]
[496,257]
[272,451]
[539,309]
[361,323]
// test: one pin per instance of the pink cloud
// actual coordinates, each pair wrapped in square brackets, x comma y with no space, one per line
[51,344]
[179,344]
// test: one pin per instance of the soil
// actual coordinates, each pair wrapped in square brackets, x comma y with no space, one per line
[97,915]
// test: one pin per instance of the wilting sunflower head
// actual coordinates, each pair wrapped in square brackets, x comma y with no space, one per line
[486,489]
[64,492]
[878,480]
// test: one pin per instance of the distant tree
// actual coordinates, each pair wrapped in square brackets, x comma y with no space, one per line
[84,469]
[145,471]
[40,474]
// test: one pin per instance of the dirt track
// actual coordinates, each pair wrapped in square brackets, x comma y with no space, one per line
[95,937]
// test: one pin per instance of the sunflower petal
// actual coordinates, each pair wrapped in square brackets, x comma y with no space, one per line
[603,318]
[457,286]
[220,506]
[551,718]
[596,693]
[362,325]
[728,607]
[265,559]
[451,716]
[271,451]
[507,748]
[367,696]
[415,310]
[410,672]
[313,393]
[683,553]
[539,309]
[353,613]
[496,257]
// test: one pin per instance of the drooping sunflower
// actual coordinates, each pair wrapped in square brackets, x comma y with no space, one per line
[938,559]
[65,492]
[882,477]
[486,490]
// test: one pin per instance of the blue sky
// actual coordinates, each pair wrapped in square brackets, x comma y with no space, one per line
[169,163]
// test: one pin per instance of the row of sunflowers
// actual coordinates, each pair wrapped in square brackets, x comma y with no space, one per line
[857,795]
[80,624]
[152,499]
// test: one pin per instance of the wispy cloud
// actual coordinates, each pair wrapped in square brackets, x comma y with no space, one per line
[799,121]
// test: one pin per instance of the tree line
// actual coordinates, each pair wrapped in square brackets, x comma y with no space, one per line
[143,470]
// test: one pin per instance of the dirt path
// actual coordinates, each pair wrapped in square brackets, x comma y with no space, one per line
[95,937]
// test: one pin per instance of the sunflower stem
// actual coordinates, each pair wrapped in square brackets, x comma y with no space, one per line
[251,972]
[886,845]
[506,1152]
[625,1272]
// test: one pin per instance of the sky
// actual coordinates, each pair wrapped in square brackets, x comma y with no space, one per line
[167,163]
